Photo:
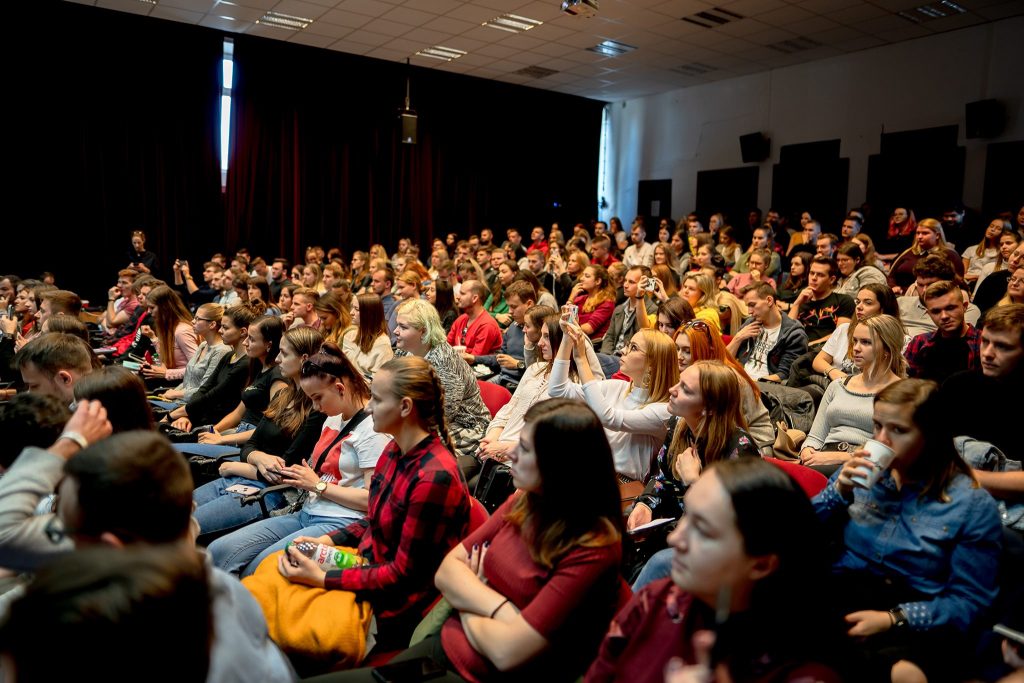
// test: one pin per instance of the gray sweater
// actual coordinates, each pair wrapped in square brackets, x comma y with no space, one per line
[842,416]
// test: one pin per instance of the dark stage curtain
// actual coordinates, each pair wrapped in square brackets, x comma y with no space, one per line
[119,135]
[317,157]
[123,134]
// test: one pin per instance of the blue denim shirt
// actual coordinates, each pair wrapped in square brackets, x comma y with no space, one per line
[947,550]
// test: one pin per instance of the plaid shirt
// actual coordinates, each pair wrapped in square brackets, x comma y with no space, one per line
[419,510]
[923,345]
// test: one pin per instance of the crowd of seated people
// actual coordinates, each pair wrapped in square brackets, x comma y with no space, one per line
[636,400]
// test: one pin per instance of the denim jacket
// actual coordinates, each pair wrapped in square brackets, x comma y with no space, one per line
[947,550]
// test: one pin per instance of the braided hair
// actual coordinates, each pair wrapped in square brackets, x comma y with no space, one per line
[415,379]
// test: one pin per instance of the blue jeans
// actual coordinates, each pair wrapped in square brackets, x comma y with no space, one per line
[216,509]
[658,567]
[242,551]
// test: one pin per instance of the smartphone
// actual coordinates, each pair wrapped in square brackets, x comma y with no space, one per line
[243,490]
[409,671]
[573,313]
[131,365]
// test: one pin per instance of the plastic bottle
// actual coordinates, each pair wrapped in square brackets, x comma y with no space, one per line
[327,557]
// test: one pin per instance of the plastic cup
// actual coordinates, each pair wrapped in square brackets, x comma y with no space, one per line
[882,457]
[459,349]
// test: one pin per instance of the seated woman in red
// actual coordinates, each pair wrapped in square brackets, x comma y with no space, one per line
[534,588]
[741,599]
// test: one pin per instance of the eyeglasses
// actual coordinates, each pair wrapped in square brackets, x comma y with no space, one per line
[1015,280]
[634,347]
[205,320]
[698,325]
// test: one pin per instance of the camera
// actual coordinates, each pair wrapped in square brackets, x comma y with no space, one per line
[648,284]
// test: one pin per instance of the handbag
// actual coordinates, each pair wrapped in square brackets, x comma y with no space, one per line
[494,485]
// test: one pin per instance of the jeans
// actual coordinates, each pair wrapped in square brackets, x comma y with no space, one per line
[242,551]
[658,567]
[216,509]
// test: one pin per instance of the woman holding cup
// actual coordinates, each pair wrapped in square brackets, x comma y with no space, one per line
[843,419]
[920,550]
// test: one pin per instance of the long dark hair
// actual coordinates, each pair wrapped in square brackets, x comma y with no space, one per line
[783,600]
[290,407]
[271,329]
[550,528]
[122,393]
[444,297]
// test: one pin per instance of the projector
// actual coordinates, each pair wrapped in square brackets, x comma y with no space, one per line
[580,8]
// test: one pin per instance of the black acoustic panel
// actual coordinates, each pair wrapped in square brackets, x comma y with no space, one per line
[809,152]
[730,191]
[984,119]
[926,141]
[819,187]
[654,200]
[924,180]
[1004,178]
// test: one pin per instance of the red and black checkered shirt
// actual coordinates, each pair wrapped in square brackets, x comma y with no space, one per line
[419,510]
[926,359]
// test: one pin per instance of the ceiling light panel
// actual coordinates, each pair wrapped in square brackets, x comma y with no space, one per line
[513,23]
[284,21]
[611,48]
[441,52]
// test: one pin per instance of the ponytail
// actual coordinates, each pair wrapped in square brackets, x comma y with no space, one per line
[415,379]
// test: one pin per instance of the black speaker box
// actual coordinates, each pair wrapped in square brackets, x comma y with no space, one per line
[408,118]
[755,147]
[984,119]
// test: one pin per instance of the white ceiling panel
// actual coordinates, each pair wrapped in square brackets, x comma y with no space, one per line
[394,30]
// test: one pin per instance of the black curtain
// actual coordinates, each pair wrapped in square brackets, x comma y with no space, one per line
[123,134]
[317,156]
[113,122]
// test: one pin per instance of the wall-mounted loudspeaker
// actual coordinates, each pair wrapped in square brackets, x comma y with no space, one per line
[984,119]
[755,147]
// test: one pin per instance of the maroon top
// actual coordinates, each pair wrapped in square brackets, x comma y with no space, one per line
[658,624]
[570,604]
[599,318]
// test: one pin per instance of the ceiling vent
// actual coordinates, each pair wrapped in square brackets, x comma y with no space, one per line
[713,18]
[535,72]
[695,69]
[935,10]
[794,45]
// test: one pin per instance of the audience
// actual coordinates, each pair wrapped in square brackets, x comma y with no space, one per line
[657,443]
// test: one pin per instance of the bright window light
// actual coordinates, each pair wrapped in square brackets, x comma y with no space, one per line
[227,81]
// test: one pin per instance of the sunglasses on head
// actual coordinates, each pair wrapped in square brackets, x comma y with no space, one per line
[698,325]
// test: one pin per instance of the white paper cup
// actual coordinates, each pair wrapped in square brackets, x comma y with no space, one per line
[459,349]
[879,454]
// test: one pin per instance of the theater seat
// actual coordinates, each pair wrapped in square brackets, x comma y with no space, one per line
[811,481]
[494,396]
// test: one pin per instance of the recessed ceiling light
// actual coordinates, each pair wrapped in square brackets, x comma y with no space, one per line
[934,10]
[513,23]
[284,20]
[611,48]
[441,52]
[148,2]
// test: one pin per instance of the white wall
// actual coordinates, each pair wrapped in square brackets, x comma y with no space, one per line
[921,83]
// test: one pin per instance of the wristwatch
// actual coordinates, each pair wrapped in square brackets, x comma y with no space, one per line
[521,365]
[321,486]
[899,617]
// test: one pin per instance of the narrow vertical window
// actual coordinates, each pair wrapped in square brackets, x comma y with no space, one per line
[602,164]
[227,78]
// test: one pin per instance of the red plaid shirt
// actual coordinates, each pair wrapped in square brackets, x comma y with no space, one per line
[419,510]
[924,362]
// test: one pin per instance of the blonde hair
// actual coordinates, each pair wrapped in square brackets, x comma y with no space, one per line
[414,378]
[887,334]
[662,365]
[423,316]
[720,392]
[706,284]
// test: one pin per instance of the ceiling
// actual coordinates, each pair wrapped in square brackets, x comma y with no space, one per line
[671,52]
